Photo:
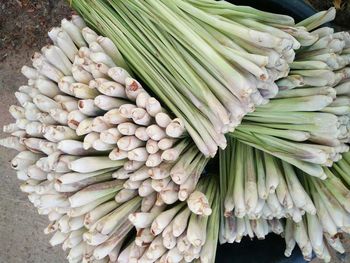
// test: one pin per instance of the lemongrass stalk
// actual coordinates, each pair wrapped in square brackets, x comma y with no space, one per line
[85,209]
[163,219]
[127,128]
[94,192]
[142,99]
[93,163]
[82,91]
[152,146]
[84,127]
[89,139]
[57,58]
[146,188]
[118,74]
[176,128]
[36,129]
[132,185]
[251,193]
[22,97]
[13,143]
[133,88]
[98,212]
[58,133]
[128,143]
[170,193]
[108,103]
[101,146]
[114,117]
[141,117]
[118,154]
[89,35]
[70,105]
[148,202]
[88,107]
[125,195]
[74,32]
[112,89]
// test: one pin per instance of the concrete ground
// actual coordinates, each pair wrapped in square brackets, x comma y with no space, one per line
[23,28]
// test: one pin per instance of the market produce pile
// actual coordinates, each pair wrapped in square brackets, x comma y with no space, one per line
[115,130]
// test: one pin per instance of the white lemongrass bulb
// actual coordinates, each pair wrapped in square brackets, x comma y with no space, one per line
[141,134]
[22,97]
[74,118]
[154,160]
[100,57]
[108,103]
[95,47]
[141,117]
[125,195]
[126,110]
[83,91]
[133,165]
[58,238]
[153,107]
[155,132]
[36,129]
[140,174]
[93,163]
[127,128]
[65,83]
[95,83]
[57,58]
[114,117]
[81,75]
[84,127]
[58,133]
[162,119]
[12,143]
[118,74]
[30,90]
[99,124]
[102,69]
[122,174]
[132,88]
[22,123]
[164,219]
[30,73]
[47,147]
[142,99]
[160,172]
[139,154]
[70,105]
[22,175]
[160,184]
[142,220]
[89,108]
[53,32]
[112,89]
[74,32]
[89,139]
[24,159]
[32,144]
[110,48]
[59,115]
[199,204]
[176,128]
[36,173]
[101,146]
[152,146]
[45,68]
[71,147]
[128,143]
[169,194]
[45,118]
[78,21]
[89,35]
[12,127]
[118,154]
[20,134]
[17,112]
[45,103]
[166,143]
[110,136]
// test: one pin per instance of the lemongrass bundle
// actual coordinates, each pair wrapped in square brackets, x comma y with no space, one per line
[261,186]
[211,67]
[307,124]
[181,232]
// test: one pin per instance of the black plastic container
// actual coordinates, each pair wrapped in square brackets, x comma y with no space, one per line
[270,250]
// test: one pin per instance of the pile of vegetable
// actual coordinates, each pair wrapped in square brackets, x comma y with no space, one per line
[115,132]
